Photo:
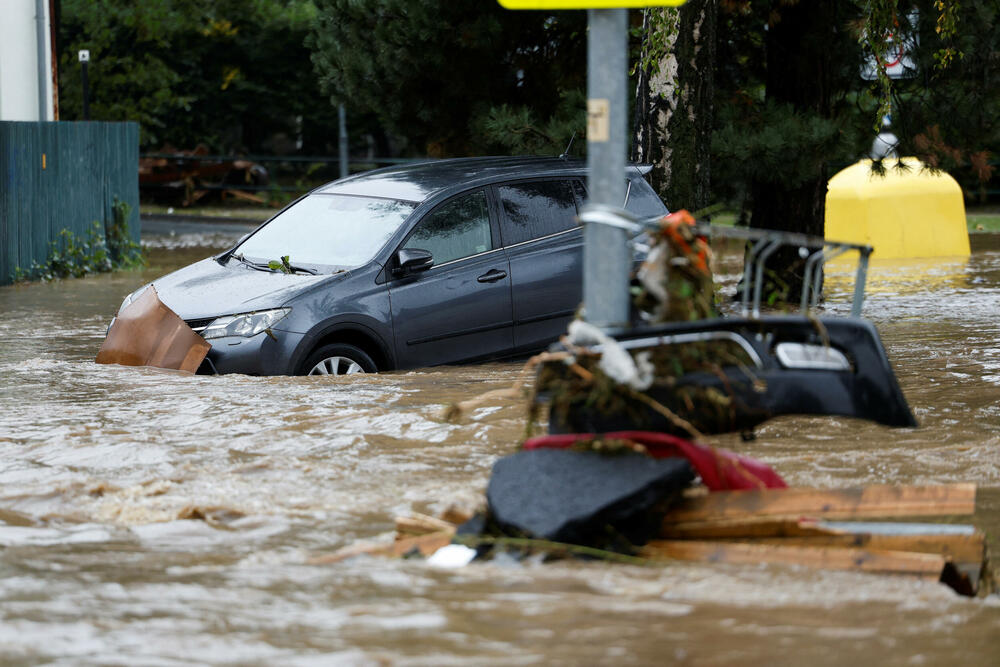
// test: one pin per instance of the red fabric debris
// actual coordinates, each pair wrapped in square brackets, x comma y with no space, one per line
[719,469]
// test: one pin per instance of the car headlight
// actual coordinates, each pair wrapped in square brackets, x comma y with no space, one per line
[245,324]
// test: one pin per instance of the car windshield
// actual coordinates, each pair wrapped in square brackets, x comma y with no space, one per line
[324,230]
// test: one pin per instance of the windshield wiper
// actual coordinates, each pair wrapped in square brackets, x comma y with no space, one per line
[293,267]
[283,266]
[252,265]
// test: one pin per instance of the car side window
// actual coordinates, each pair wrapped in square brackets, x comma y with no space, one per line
[536,209]
[459,228]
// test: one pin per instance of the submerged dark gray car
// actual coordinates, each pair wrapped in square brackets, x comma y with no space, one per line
[432,263]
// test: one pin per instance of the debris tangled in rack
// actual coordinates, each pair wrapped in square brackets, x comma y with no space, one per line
[675,281]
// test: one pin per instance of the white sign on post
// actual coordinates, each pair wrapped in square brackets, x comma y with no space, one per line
[84,56]
[899,63]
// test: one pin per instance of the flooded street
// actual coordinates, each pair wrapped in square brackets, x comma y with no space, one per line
[155,518]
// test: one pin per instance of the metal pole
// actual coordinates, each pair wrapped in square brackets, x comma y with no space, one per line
[42,70]
[86,90]
[342,141]
[859,282]
[606,259]
[83,55]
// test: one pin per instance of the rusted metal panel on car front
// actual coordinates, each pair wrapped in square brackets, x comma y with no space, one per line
[147,333]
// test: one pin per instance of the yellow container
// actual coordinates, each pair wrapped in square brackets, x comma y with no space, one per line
[914,213]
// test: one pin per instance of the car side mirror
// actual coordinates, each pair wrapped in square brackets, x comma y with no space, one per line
[412,260]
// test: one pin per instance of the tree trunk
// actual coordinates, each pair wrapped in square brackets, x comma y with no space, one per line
[799,69]
[673,111]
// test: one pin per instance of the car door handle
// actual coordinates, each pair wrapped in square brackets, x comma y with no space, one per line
[492,276]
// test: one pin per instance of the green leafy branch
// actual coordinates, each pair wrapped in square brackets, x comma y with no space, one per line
[880,34]
[285,265]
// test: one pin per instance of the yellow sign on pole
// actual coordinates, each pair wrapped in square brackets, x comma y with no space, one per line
[587,4]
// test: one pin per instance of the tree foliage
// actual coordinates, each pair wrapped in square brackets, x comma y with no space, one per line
[229,74]
[444,77]
[790,103]
[791,107]
[789,99]
[946,115]
[454,78]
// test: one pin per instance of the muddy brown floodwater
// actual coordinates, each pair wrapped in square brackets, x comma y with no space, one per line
[101,465]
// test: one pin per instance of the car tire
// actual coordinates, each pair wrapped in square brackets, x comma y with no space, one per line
[338,359]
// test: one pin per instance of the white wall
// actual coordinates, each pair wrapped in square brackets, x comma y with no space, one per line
[18,66]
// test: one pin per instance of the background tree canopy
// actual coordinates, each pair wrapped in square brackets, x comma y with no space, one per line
[772,102]
[767,129]
[455,78]
[232,74]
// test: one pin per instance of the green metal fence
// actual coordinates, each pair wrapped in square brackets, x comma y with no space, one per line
[56,176]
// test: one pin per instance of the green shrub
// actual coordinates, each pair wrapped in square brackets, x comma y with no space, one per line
[107,247]
[124,252]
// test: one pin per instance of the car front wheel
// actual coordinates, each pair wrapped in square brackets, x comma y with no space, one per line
[338,359]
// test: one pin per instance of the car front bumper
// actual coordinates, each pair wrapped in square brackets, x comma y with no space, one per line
[266,353]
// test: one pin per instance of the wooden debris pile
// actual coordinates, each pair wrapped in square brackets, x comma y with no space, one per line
[865,529]
[191,175]
[834,529]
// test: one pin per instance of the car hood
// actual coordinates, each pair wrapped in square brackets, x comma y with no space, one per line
[207,289]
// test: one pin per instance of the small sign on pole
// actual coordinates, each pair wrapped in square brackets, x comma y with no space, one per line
[84,56]
[598,120]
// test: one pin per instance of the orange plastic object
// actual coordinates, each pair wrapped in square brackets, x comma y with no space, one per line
[147,333]
[675,226]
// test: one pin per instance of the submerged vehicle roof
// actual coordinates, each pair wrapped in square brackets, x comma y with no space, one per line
[418,181]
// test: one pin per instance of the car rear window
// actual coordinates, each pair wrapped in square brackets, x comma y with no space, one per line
[536,209]
[642,201]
